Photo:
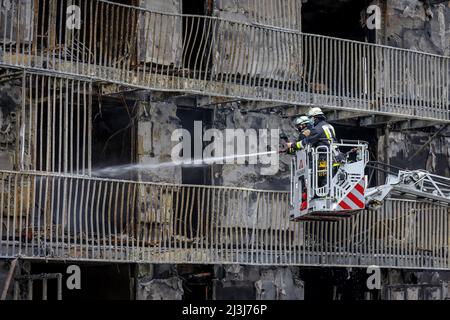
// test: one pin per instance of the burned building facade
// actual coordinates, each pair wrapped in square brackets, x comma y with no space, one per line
[91,93]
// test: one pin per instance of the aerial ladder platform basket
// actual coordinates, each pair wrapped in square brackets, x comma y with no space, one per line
[329,183]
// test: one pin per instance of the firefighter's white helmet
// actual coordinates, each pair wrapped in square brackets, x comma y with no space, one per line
[301,120]
[315,112]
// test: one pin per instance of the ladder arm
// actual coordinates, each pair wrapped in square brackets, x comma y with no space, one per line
[418,184]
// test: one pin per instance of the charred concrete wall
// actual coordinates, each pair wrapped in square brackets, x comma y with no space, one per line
[157,122]
[422,25]
[417,150]
[170,6]
[166,27]
[231,282]
[261,48]
[250,175]
[279,13]
[4,268]
[237,282]
[410,285]
[158,282]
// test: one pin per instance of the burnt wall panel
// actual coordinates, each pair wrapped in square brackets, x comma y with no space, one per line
[418,25]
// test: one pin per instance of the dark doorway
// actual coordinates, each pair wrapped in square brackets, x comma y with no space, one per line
[340,19]
[114,133]
[345,20]
[323,284]
[198,282]
[197,7]
[196,36]
[195,175]
[358,133]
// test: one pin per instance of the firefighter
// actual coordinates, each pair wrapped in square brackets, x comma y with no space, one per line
[322,133]
[319,133]
[304,125]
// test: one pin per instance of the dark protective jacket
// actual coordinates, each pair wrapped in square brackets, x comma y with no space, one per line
[302,136]
[305,133]
[322,134]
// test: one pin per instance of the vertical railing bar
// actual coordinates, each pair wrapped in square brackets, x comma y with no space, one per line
[96,236]
[153,50]
[181,217]
[190,237]
[157,231]
[214,224]
[232,226]
[246,211]
[209,227]
[224,212]
[105,45]
[148,205]
[279,234]
[132,227]
[203,225]
[183,233]
[441,237]
[70,130]
[88,219]
[122,205]
[44,289]
[234,239]
[164,219]
[103,238]
[5,27]
[121,37]
[79,226]
[447,238]
[435,227]
[157,63]
[59,287]
[405,237]
[112,40]
[115,219]
[251,76]
[2,207]
[30,289]
[275,59]
[221,225]
[175,222]
[197,233]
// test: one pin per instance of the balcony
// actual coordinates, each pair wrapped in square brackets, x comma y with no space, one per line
[217,57]
[73,218]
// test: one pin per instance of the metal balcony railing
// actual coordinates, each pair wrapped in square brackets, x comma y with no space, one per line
[63,217]
[213,56]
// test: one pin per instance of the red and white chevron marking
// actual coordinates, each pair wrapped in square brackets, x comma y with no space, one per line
[354,200]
